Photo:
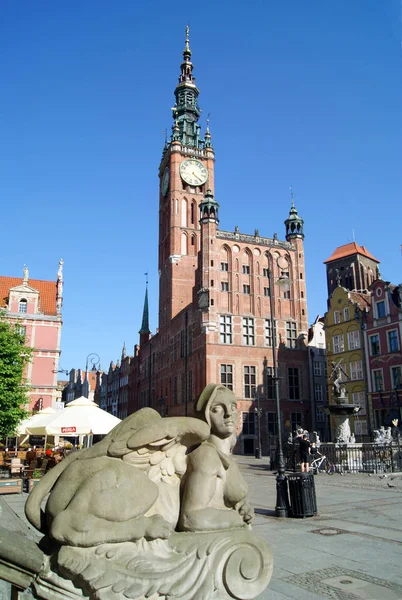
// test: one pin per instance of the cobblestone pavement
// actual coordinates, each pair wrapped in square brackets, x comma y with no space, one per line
[352,549]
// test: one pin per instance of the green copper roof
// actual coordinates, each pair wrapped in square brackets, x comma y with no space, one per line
[186,111]
[209,206]
[294,223]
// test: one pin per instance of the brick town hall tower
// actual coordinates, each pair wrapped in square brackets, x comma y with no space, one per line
[214,297]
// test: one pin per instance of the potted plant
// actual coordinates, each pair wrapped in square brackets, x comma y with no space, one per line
[34,479]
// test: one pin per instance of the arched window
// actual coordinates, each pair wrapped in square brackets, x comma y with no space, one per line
[183,244]
[22,307]
[184,213]
[193,210]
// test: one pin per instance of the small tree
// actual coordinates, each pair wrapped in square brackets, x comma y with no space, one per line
[14,356]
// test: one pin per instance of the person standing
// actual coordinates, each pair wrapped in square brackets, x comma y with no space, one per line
[304,452]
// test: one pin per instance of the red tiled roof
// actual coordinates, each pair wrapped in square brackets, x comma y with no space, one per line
[47,292]
[349,250]
[362,300]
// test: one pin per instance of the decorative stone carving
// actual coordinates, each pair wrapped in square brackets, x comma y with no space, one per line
[157,509]
[382,435]
[343,433]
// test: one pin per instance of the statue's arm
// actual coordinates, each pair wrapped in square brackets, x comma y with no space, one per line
[199,489]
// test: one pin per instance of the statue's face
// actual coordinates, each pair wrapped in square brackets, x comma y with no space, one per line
[223,414]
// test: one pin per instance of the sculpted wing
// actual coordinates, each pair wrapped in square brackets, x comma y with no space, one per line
[156,446]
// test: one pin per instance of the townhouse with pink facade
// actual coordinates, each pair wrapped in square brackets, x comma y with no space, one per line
[383,352]
[35,305]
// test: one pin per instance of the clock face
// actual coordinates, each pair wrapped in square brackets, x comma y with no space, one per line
[165,181]
[193,172]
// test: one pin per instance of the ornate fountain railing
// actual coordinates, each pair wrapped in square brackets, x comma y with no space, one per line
[356,458]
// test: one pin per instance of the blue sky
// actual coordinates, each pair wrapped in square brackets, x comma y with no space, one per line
[305,93]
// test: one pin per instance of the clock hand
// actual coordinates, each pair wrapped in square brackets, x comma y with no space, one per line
[196,176]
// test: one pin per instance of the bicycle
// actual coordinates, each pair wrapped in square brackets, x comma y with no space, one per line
[320,464]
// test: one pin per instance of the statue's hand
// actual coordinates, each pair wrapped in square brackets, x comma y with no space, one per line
[245,511]
[157,527]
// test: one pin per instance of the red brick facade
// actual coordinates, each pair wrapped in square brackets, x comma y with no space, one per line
[214,309]
[214,306]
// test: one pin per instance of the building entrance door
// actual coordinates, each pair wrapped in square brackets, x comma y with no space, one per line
[248,445]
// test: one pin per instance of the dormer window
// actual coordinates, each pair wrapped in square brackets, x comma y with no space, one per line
[22,306]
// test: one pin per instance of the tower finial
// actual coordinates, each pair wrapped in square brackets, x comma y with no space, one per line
[26,275]
[187,50]
[291,196]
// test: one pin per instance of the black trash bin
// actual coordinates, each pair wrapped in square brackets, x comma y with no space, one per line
[303,502]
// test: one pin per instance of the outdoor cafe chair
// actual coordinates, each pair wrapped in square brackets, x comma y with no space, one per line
[16,467]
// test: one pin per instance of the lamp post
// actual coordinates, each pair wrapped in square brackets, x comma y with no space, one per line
[95,362]
[282,500]
[258,411]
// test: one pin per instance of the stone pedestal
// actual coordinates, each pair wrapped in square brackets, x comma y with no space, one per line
[340,420]
[216,565]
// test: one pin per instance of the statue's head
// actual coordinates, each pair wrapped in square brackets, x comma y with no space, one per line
[218,407]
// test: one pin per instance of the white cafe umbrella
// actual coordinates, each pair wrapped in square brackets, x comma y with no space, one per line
[81,417]
[35,425]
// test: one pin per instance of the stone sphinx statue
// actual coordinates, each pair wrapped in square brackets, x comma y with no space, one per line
[157,509]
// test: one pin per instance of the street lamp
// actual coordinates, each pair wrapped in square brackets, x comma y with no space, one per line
[282,500]
[95,362]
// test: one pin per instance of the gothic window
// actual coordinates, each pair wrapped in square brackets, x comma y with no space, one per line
[269,383]
[227,376]
[291,334]
[268,332]
[183,388]
[190,386]
[248,331]
[22,306]
[225,324]
[192,216]
[184,213]
[248,423]
[183,244]
[272,423]
[296,420]
[294,383]
[249,382]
